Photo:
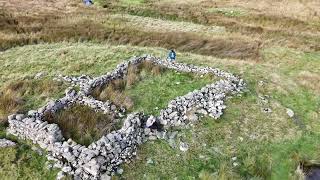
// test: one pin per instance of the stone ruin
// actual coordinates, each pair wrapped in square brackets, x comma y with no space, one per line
[101,159]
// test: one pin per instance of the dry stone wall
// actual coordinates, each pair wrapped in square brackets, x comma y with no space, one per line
[101,158]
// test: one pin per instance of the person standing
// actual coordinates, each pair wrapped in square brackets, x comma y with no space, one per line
[172,56]
[88,2]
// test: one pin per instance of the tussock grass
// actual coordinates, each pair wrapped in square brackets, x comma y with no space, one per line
[22,95]
[277,29]
[160,25]
[82,124]
[115,93]
[9,103]
[92,28]
[116,90]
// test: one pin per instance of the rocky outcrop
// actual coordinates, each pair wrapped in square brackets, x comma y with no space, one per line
[102,158]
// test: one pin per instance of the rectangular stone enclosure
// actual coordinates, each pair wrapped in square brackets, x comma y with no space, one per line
[102,145]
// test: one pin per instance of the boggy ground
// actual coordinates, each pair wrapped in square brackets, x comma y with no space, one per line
[272,45]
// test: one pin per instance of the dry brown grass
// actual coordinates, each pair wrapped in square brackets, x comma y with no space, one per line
[82,124]
[132,75]
[75,23]
[309,80]
[115,90]
[9,103]
[268,27]
[17,95]
[150,67]
[38,7]
[95,24]
[298,9]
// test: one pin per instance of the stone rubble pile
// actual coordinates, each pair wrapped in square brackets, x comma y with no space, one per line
[102,158]
[6,143]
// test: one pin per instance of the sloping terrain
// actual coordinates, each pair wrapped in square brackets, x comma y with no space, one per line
[273,46]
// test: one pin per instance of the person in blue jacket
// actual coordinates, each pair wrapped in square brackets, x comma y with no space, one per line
[88,2]
[172,55]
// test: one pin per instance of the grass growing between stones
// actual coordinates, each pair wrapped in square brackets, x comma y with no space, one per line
[82,124]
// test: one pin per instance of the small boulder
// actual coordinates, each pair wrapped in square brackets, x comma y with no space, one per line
[184,147]
[290,113]
[105,176]
[150,161]
[6,143]
[119,171]
[40,75]
[60,175]
[267,110]
[150,121]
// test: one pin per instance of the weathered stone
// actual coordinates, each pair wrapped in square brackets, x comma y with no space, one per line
[150,161]
[60,175]
[39,75]
[105,176]
[183,147]
[150,121]
[6,143]
[119,171]
[66,169]
[147,131]
[19,117]
[290,113]
[152,138]
[11,117]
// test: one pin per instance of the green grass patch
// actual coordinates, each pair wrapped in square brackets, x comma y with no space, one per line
[219,149]
[153,93]
[21,162]
[132,2]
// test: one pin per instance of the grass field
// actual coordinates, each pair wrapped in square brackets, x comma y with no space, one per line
[273,46]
